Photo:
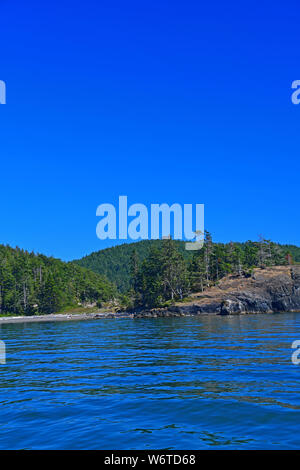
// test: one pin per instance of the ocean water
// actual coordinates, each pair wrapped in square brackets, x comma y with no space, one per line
[173,383]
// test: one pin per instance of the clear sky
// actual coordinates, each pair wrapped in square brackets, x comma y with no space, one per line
[186,102]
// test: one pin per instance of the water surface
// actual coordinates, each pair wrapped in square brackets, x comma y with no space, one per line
[173,383]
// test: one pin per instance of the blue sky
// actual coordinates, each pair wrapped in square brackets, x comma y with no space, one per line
[160,101]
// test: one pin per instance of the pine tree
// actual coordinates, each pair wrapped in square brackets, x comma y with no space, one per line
[197,272]
[174,271]
[208,247]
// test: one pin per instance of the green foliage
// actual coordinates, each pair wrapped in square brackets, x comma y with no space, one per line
[31,283]
[205,266]
[147,273]
[292,250]
[161,277]
[216,260]
[159,272]
[116,262]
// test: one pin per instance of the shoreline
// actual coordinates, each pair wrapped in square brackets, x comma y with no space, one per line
[102,316]
[267,291]
[62,317]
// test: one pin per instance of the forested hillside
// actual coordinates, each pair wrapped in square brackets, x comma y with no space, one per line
[115,262]
[293,250]
[31,283]
[150,273]
[165,276]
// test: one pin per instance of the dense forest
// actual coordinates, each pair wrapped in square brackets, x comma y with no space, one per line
[165,275]
[143,274]
[33,283]
[115,262]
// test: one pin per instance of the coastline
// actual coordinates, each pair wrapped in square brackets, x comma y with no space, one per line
[162,313]
[267,291]
[62,317]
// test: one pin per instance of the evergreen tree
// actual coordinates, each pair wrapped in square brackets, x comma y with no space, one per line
[174,271]
[50,297]
[197,272]
[162,276]
[31,283]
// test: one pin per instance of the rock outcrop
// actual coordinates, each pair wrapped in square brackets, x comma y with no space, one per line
[269,290]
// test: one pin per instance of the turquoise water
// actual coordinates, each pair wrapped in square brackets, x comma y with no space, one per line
[173,383]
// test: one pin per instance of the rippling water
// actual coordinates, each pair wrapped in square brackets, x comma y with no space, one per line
[173,383]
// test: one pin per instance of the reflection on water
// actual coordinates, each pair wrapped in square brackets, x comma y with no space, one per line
[173,383]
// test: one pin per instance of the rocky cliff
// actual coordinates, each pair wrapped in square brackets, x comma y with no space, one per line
[269,290]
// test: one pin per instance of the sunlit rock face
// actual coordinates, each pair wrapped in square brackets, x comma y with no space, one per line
[269,290]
